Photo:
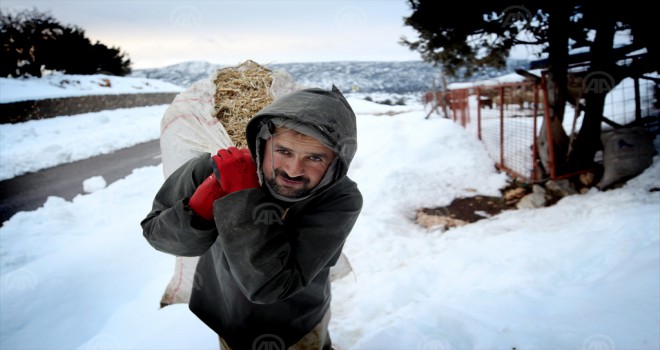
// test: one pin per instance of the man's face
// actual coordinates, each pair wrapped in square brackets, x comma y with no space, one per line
[294,163]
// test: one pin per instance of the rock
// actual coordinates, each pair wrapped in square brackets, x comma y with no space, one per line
[437,221]
[587,179]
[562,188]
[536,199]
[515,193]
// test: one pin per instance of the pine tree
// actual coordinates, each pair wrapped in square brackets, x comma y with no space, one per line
[33,41]
[478,34]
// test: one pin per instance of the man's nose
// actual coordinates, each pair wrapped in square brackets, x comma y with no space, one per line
[294,167]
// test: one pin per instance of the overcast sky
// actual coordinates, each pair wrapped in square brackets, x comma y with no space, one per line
[157,33]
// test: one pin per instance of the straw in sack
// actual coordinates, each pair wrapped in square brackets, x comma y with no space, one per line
[241,92]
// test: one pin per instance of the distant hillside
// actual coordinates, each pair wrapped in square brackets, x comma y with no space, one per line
[389,77]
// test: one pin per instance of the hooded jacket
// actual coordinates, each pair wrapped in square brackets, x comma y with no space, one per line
[265,263]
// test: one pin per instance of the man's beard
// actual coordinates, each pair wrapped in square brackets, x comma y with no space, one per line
[288,191]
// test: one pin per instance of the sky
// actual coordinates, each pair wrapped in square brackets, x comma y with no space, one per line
[158,33]
[582,274]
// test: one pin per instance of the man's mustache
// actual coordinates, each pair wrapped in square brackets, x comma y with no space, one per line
[283,174]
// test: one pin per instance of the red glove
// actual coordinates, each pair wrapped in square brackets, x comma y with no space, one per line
[236,169]
[201,201]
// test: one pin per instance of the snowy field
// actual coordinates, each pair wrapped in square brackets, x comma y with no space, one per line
[583,274]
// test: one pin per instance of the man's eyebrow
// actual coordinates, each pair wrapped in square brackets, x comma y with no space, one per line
[278,145]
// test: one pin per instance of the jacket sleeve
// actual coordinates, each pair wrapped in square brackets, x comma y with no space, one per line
[272,259]
[171,226]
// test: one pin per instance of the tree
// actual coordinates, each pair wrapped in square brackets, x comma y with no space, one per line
[26,39]
[9,28]
[476,34]
[33,41]
[111,60]
[79,60]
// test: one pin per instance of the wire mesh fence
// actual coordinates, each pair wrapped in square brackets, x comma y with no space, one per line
[507,118]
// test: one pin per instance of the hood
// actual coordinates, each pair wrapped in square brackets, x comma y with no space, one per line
[327,112]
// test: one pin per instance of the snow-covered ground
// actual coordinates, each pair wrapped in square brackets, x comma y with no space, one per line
[56,85]
[582,274]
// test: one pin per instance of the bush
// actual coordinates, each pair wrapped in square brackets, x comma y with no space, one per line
[34,41]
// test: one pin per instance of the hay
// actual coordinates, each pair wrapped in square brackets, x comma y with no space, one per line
[241,92]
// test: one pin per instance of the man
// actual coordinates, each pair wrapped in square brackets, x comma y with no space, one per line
[268,230]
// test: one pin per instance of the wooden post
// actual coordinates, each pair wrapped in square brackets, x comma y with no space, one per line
[444,94]
[435,102]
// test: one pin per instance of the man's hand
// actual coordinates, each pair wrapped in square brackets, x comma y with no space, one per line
[202,200]
[236,169]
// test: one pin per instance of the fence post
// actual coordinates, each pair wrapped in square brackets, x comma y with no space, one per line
[479,112]
[638,107]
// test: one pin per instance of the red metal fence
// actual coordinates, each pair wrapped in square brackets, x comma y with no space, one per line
[507,118]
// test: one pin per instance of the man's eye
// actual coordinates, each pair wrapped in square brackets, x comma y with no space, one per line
[315,158]
[282,151]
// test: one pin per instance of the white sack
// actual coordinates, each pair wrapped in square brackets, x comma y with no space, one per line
[188,127]
[627,152]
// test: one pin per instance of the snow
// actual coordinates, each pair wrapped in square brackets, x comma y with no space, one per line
[39,144]
[57,85]
[582,274]
[503,79]
[94,184]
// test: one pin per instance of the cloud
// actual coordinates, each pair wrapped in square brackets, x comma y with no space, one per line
[157,33]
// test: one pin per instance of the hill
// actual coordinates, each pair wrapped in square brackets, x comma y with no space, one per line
[390,77]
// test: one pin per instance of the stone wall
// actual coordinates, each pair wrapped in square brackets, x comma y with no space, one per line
[17,112]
